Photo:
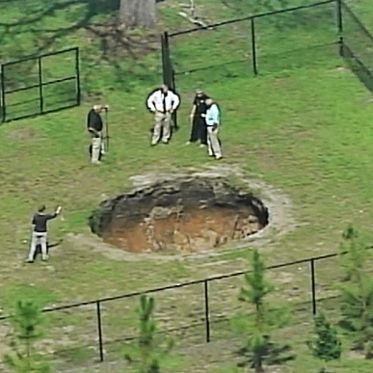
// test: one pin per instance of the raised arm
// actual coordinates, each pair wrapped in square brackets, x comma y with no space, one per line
[57,212]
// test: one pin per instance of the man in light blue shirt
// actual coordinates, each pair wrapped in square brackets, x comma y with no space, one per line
[212,123]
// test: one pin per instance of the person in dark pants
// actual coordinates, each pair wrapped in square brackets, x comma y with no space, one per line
[198,124]
[95,127]
[39,234]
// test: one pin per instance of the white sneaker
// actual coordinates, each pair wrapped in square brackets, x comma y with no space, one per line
[219,157]
[96,162]
[202,145]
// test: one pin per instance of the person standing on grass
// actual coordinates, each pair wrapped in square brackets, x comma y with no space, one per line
[163,103]
[198,123]
[39,234]
[212,117]
[95,127]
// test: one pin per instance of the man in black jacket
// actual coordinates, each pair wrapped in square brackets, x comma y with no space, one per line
[39,234]
[95,127]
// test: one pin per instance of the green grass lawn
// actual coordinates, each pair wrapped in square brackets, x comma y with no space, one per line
[302,127]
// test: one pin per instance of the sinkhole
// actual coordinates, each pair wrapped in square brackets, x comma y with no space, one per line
[183,215]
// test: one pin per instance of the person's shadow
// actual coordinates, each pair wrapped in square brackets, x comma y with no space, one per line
[38,248]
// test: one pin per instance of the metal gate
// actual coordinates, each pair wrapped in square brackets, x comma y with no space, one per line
[40,84]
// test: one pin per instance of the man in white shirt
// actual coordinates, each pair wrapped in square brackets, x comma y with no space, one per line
[212,122]
[162,102]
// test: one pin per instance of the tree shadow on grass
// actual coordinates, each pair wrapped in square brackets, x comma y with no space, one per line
[272,354]
[80,14]
[94,22]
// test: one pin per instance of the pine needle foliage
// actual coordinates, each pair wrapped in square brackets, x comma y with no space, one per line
[357,290]
[148,353]
[26,321]
[258,348]
[327,345]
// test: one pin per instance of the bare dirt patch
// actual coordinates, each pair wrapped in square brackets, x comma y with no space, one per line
[188,214]
[23,134]
[281,217]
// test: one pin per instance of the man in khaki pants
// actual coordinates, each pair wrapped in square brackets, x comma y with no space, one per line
[213,122]
[162,102]
[95,127]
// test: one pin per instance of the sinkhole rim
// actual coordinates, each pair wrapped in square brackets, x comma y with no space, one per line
[165,216]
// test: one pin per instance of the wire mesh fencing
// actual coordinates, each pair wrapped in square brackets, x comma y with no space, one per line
[309,35]
[190,313]
[262,43]
[357,46]
[40,84]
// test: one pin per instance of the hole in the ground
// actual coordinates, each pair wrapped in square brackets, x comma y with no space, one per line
[182,215]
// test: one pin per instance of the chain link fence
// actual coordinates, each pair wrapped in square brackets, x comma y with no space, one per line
[314,34]
[194,312]
[39,85]
[357,46]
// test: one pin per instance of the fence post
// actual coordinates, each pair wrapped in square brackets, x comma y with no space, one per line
[163,59]
[77,69]
[207,315]
[340,26]
[340,17]
[313,284]
[41,86]
[3,110]
[99,331]
[166,60]
[253,45]
[173,79]
[168,71]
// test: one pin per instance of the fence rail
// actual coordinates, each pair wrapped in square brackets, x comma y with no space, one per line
[47,78]
[326,25]
[357,47]
[248,18]
[206,293]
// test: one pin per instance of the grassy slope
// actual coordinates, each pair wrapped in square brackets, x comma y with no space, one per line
[312,141]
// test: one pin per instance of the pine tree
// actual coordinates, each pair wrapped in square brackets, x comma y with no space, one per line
[26,322]
[357,293]
[148,329]
[357,309]
[258,347]
[327,346]
[353,253]
[148,354]
[258,287]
